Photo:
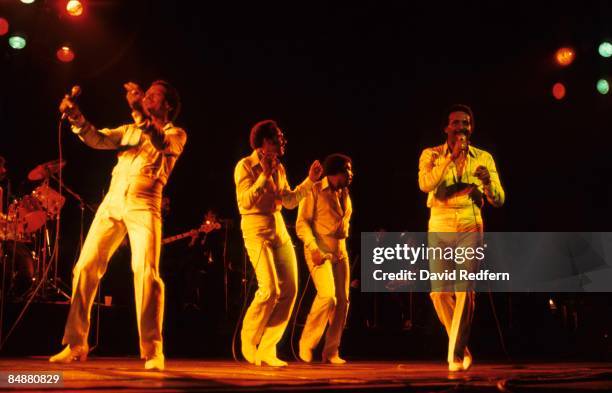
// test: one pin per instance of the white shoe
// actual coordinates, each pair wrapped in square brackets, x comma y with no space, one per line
[334,359]
[248,352]
[305,355]
[467,359]
[70,353]
[156,363]
[271,361]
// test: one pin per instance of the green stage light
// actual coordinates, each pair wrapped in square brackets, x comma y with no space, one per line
[603,87]
[17,42]
[605,49]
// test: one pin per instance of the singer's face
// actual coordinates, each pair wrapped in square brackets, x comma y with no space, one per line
[154,102]
[347,176]
[275,146]
[459,123]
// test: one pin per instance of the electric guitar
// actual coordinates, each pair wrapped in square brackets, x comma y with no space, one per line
[209,224]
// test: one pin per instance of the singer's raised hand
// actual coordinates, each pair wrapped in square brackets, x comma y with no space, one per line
[134,95]
[316,170]
[71,110]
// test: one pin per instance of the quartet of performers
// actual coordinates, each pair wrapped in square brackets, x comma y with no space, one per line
[457,177]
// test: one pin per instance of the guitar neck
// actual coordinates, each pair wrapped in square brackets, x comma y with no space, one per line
[192,233]
[178,237]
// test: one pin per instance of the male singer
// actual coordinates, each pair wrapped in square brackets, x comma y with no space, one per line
[262,191]
[458,178]
[323,225]
[147,151]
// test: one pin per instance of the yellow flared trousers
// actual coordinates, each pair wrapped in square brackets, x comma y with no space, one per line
[272,255]
[331,303]
[133,208]
[454,301]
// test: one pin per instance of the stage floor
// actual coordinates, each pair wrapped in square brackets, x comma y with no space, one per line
[127,374]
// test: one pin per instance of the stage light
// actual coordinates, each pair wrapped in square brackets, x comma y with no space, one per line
[565,56]
[603,87]
[17,42]
[4,26]
[27,1]
[65,54]
[605,49]
[558,91]
[74,7]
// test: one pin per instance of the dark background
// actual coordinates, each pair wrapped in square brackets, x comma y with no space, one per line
[372,81]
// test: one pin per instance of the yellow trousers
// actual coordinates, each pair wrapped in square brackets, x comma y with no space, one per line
[331,304]
[272,255]
[455,301]
[131,207]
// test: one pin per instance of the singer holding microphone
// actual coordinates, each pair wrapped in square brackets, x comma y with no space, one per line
[458,178]
[147,152]
[262,190]
[323,225]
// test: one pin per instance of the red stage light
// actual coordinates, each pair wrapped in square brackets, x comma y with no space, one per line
[558,91]
[65,54]
[74,8]
[565,56]
[4,26]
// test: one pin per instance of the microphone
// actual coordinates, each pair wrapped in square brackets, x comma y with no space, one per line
[74,93]
[463,140]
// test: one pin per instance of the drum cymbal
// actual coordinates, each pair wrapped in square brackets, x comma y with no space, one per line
[45,170]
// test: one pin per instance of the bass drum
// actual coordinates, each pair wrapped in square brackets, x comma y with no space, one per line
[27,215]
[50,200]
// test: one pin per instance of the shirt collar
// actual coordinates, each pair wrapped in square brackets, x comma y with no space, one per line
[325,183]
[255,157]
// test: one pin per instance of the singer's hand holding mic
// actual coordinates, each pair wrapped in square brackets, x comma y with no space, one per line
[460,147]
[319,257]
[269,164]
[70,109]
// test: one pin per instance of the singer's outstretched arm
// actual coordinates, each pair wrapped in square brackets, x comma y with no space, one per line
[104,139]
[291,198]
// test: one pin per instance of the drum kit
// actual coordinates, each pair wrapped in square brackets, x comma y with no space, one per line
[24,230]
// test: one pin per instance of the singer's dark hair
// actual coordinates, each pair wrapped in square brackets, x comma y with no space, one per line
[335,163]
[172,97]
[261,130]
[459,108]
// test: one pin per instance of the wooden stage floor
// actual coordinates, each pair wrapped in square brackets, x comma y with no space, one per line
[127,375]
